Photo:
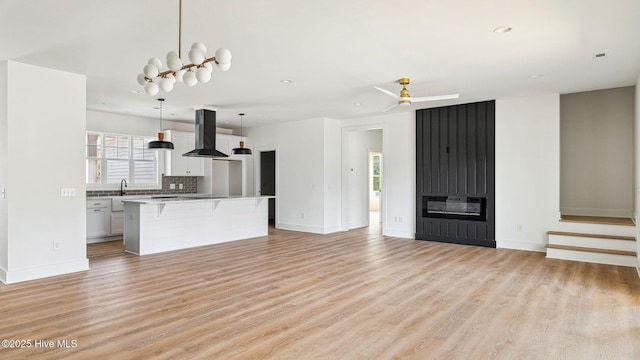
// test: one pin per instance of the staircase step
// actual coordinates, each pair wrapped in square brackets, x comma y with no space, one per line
[593,250]
[597,220]
[596,241]
[598,236]
[592,255]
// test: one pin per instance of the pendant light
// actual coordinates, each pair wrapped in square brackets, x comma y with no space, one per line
[160,144]
[241,150]
[155,77]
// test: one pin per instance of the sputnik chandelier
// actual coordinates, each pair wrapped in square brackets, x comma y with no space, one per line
[154,78]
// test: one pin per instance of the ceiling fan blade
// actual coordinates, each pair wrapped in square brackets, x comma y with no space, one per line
[435,97]
[390,107]
[395,96]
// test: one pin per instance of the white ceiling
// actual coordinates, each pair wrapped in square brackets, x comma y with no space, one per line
[335,51]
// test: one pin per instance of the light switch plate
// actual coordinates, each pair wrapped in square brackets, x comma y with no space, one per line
[67,192]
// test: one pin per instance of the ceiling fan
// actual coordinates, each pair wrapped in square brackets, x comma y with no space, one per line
[405,100]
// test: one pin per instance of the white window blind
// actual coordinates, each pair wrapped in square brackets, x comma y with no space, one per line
[116,150]
[144,162]
[112,157]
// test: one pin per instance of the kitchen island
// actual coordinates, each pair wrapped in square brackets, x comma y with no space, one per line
[172,223]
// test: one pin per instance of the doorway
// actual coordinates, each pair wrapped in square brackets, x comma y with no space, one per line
[268,180]
[375,188]
[362,190]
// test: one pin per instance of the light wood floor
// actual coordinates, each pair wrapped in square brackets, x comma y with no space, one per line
[598,220]
[354,295]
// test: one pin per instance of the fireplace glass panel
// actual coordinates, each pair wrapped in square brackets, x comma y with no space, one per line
[454,207]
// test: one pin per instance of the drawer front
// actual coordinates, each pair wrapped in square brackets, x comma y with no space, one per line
[95,204]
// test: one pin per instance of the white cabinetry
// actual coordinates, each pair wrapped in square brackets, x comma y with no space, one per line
[175,163]
[104,219]
[226,143]
[225,177]
[117,223]
[98,221]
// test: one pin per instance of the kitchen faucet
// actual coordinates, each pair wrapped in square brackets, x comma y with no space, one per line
[122,192]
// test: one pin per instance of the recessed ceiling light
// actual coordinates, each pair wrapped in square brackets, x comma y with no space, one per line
[226,122]
[534,76]
[502,29]
[286,81]
[357,104]
[267,116]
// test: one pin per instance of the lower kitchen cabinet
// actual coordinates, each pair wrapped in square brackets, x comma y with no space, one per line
[117,223]
[98,218]
[103,221]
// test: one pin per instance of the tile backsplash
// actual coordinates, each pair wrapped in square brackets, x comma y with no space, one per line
[190,186]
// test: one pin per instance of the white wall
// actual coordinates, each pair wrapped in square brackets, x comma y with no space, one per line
[332,174]
[527,170]
[4,153]
[637,165]
[596,152]
[399,156]
[131,125]
[359,143]
[46,117]
[300,174]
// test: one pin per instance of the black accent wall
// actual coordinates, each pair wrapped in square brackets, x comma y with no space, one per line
[455,156]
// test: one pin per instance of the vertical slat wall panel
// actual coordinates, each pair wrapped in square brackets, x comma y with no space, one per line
[452,153]
[455,156]
[462,150]
[471,158]
[481,150]
[442,155]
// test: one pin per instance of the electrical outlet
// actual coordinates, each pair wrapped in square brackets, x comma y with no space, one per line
[56,245]
[301,215]
[172,186]
[519,227]
[180,186]
[67,192]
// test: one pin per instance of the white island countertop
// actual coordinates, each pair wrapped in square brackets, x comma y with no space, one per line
[163,199]
[166,223]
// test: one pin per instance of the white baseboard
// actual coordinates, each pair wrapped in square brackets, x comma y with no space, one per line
[399,233]
[10,277]
[302,228]
[3,275]
[521,245]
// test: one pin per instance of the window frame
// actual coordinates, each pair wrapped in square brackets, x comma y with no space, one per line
[131,185]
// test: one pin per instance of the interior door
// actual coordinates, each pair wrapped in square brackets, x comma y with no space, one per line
[268,180]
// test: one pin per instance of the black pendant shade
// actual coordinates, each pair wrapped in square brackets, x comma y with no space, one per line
[160,144]
[241,150]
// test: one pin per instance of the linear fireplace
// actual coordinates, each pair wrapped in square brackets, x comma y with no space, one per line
[455,174]
[455,207]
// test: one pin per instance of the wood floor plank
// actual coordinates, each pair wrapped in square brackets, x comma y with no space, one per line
[346,295]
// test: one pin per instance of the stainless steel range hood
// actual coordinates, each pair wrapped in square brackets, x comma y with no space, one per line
[206,135]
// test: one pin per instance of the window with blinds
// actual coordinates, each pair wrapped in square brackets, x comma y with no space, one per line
[113,157]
